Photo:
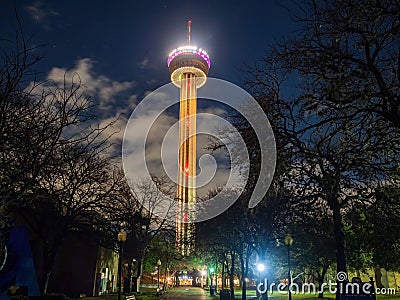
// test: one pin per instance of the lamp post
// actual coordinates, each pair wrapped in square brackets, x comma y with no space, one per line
[121,241]
[261,270]
[288,243]
[212,270]
[212,287]
[223,276]
[203,277]
[158,276]
[166,281]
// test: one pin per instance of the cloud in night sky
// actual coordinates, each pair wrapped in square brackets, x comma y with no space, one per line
[116,101]
[155,139]
[41,12]
[143,63]
[104,90]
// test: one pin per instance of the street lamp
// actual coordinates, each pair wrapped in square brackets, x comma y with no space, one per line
[167,280]
[212,287]
[121,241]
[158,270]
[288,243]
[212,270]
[203,276]
[261,269]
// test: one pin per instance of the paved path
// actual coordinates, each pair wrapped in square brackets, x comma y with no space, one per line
[189,293]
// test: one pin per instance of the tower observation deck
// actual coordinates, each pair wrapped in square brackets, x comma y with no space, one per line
[188,66]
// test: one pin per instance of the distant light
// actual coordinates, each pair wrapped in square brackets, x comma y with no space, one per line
[260,267]
[203,273]
[122,236]
[288,240]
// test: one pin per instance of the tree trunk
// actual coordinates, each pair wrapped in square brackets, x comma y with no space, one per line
[139,274]
[378,277]
[321,278]
[49,263]
[46,282]
[339,241]
[243,275]
[128,286]
[248,255]
[231,276]
[222,276]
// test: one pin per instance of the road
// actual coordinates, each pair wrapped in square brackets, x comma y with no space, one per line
[189,293]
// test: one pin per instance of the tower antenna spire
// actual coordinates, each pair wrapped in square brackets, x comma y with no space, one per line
[188,31]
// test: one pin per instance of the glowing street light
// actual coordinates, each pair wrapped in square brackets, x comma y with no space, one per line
[212,270]
[212,287]
[203,275]
[158,276]
[261,269]
[121,241]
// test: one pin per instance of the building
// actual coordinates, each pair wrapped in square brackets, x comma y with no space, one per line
[79,266]
[83,268]
[188,66]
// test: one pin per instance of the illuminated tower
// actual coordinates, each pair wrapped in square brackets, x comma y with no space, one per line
[188,66]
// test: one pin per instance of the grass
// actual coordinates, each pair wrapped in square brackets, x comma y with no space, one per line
[327,295]
[151,294]
[146,297]
[388,297]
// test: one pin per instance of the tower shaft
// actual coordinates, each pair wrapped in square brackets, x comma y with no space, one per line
[186,189]
[188,66]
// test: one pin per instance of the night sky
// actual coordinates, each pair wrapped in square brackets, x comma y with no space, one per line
[130,40]
[120,48]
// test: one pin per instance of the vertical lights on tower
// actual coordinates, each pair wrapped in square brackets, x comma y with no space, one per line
[188,66]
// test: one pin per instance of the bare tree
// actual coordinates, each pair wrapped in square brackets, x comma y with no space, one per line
[145,213]
[54,175]
[346,56]
[335,86]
